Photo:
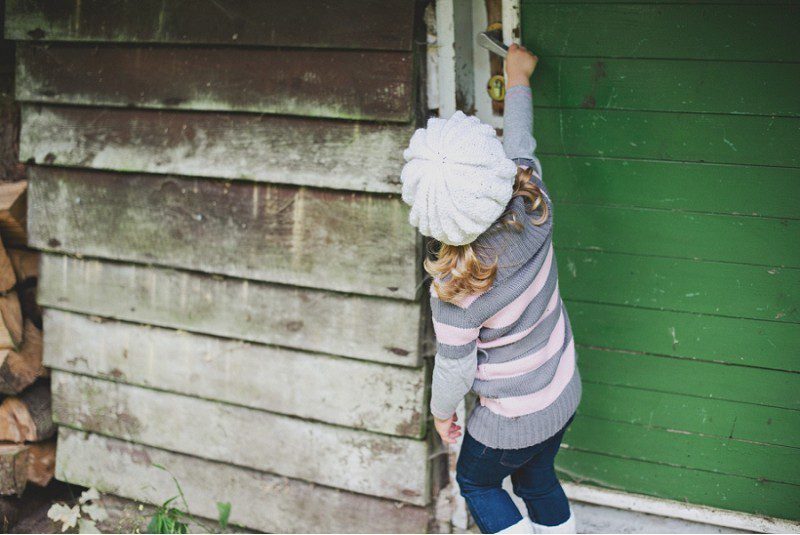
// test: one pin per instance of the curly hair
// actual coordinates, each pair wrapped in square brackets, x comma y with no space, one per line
[458,270]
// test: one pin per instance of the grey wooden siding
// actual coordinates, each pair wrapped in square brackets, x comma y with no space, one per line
[231,286]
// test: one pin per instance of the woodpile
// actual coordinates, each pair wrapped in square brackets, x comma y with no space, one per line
[27,442]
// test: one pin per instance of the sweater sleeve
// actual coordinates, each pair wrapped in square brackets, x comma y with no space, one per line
[456,357]
[518,140]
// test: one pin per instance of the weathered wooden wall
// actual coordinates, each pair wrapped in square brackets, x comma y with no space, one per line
[668,133]
[232,289]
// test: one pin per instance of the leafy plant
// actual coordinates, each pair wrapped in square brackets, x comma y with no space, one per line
[74,516]
[167,519]
[170,519]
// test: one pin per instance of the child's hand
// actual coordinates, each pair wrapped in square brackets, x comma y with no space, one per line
[520,64]
[448,429]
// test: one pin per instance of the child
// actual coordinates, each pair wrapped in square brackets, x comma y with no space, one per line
[501,327]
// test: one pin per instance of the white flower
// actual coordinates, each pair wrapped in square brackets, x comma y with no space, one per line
[95,512]
[68,516]
[87,526]
[88,495]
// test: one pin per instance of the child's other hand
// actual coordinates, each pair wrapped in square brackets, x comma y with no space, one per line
[520,64]
[448,429]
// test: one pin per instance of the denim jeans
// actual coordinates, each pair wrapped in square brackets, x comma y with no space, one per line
[480,473]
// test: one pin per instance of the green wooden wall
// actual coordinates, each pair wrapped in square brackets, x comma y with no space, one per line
[669,135]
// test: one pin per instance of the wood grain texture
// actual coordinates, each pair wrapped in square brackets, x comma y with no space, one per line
[282,150]
[715,138]
[712,454]
[683,413]
[684,31]
[312,83]
[725,238]
[370,24]
[13,195]
[260,501]
[378,465]
[690,187]
[671,482]
[668,85]
[369,328]
[388,399]
[723,289]
[308,237]
[757,343]
[713,380]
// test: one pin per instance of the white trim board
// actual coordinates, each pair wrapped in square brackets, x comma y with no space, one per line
[676,509]
[458,64]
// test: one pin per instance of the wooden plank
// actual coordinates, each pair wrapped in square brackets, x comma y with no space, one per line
[668,85]
[283,150]
[382,330]
[261,501]
[716,237]
[690,414]
[712,454]
[133,516]
[681,285]
[685,31]
[737,493]
[764,344]
[371,24]
[378,465]
[697,187]
[308,237]
[713,138]
[656,2]
[314,83]
[692,378]
[389,399]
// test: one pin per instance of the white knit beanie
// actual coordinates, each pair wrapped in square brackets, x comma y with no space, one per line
[457,178]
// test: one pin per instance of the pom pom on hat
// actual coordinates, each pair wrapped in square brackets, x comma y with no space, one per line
[457,178]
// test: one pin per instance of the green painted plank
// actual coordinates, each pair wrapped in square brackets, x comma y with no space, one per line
[697,187]
[683,285]
[368,24]
[723,456]
[693,486]
[742,139]
[668,85]
[754,2]
[766,344]
[692,378]
[750,240]
[707,32]
[690,414]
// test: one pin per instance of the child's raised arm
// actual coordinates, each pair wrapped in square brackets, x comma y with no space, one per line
[518,140]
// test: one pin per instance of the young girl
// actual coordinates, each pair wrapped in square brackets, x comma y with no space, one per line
[501,327]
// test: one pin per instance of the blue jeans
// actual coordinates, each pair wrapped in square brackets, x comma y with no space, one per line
[480,473]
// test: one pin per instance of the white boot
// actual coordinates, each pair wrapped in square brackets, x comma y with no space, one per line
[567,527]
[523,526]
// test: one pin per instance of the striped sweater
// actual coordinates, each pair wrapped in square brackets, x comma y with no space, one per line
[513,344]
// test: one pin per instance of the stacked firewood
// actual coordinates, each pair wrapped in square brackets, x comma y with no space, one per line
[27,442]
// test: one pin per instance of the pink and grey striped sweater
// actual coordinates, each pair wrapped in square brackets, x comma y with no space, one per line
[513,344]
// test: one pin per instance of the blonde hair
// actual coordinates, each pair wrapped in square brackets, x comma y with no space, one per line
[458,270]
